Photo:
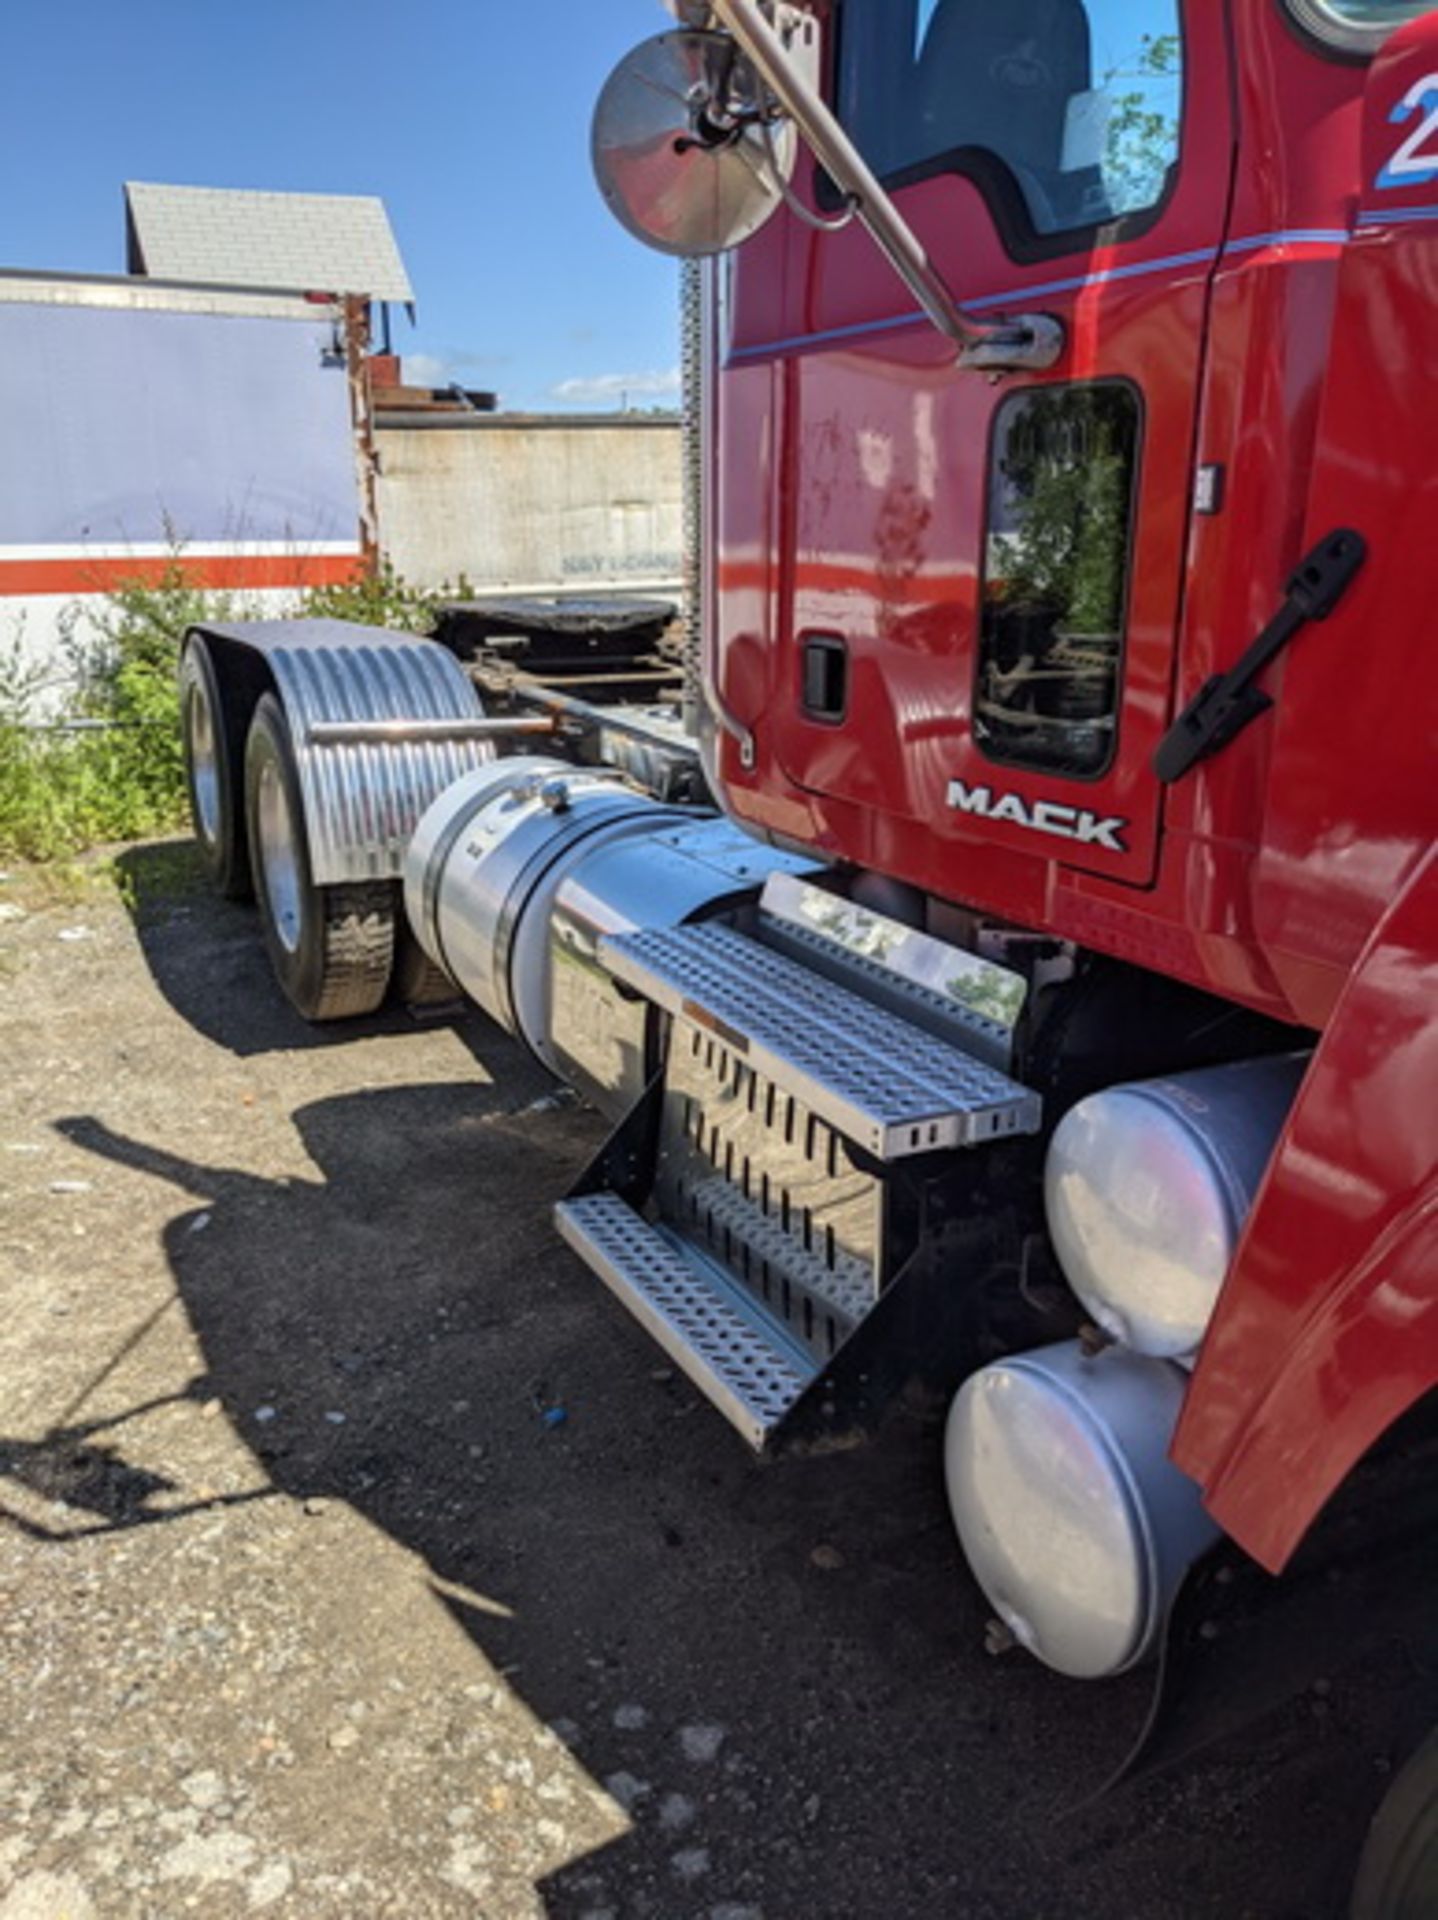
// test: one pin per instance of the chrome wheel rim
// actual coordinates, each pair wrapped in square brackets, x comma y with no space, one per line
[204,766]
[279,856]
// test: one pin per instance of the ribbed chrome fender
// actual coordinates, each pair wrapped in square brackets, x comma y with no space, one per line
[363,798]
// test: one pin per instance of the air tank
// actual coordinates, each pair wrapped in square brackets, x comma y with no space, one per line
[1073,1519]
[1147,1188]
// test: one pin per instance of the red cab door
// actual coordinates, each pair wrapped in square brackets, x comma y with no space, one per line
[973,584]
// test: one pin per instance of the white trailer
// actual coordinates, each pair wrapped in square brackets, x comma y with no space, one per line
[144,419]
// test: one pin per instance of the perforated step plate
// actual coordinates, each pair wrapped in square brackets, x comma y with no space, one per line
[883,1083]
[739,1358]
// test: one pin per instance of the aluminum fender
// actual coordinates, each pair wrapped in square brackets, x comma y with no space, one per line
[363,799]
[1327,1328]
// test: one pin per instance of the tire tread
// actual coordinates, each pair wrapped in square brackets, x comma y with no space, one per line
[358,937]
[417,981]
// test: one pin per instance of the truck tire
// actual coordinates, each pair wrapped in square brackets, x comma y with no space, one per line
[417,981]
[214,751]
[332,948]
[1398,1874]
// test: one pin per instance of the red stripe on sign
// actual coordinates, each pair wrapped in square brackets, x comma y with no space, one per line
[195,570]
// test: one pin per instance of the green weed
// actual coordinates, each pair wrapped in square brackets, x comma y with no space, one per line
[109,766]
[383,598]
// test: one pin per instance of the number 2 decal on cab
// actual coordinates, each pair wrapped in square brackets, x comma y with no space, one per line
[1415,162]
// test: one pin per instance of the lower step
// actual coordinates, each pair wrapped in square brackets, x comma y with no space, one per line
[738,1357]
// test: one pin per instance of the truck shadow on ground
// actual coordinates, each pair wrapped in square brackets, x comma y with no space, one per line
[505,1421]
[222,986]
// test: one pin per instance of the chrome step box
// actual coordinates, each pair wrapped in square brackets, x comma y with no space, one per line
[738,1356]
[772,1210]
[889,1086]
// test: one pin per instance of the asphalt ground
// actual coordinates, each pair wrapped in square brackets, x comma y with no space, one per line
[360,1558]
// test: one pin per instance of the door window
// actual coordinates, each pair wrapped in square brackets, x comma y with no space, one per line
[1056,567]
[1079,100]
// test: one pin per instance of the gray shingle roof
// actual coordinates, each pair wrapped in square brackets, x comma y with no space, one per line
[311,242]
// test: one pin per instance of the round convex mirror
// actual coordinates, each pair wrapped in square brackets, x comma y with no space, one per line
[679,150]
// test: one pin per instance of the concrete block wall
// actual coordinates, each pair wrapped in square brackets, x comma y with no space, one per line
[531,503]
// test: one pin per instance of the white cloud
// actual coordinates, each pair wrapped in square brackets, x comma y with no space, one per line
[426,370]
[618,389]
[452,366]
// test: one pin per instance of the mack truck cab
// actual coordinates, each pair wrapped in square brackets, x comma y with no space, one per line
[1030,986]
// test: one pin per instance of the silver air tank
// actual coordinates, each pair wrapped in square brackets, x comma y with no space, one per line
[516,873]
[1148,1186]
[1073,1519]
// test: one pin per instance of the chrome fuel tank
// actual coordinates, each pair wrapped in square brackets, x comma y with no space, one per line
[518,870]
[485,855]
[596,1037]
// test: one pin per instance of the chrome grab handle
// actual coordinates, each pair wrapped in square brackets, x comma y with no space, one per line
[346,733]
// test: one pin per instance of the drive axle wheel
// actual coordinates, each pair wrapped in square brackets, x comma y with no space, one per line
[332,948]
[213,755]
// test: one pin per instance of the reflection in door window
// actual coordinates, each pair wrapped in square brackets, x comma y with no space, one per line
[1056,572]
[1079,99]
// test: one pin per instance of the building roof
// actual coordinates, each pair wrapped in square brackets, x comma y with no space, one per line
[220,236]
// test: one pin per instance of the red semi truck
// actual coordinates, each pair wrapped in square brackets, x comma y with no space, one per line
[1040,996]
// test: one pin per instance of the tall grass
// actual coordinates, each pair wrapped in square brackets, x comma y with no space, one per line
[108,765]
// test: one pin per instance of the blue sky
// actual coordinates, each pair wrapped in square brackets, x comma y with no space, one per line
[470,118]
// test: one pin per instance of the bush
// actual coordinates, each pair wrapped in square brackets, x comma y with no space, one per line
[110,765]
[108,768]
[383,598]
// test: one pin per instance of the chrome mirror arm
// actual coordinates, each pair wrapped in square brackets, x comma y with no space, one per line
[1025,341]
